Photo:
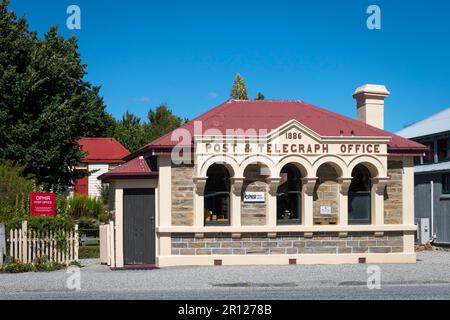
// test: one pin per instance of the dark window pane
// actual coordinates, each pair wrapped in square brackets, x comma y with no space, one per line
[446,183]
[359,197]
[443,150]
[359,208]
[289,196]
[217,196]
[429,154]
[416,161]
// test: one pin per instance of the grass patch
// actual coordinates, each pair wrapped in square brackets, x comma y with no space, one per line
[90,243]
[89,252]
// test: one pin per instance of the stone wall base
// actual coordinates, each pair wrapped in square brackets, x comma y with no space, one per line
[227,260]
[287,243]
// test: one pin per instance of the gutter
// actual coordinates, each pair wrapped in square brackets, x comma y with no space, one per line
[132,175]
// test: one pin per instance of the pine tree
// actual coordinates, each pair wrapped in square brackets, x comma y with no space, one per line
[239,89]
[260,96]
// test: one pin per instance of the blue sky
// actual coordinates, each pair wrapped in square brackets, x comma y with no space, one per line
[186,53]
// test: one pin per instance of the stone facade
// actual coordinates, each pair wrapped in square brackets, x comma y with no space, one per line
[393,196]
[326,193]
[286,243]
[253,214]
[182,195]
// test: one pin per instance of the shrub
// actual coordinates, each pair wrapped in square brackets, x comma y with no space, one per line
[39,264]
[15,188]
[18,267]
[104,193]
[82,206]
[61,204]
[41,224]
[103,218]
[75,264]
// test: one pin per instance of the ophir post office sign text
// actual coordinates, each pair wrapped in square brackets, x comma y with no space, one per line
[42,204]
[252,197]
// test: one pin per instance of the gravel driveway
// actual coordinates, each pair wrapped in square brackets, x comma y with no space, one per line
[432,268]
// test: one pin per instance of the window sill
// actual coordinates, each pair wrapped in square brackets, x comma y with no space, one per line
[217,224]
[287,228]
[445,196]
[291,222]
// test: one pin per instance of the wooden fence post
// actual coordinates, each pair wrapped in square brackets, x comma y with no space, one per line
[108,245]
[16,248]
[76,240]
[24,243]
[112,244]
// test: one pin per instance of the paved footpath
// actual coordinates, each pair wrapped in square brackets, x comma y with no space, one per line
[428,279]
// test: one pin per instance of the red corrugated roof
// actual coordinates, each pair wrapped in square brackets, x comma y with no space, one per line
[107,150]
[271,114]
[135,168]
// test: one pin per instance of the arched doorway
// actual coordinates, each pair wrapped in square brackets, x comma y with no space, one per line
[217,196]
[289,199]
[359,197]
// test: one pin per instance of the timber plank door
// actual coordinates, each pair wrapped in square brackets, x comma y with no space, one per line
[139,227]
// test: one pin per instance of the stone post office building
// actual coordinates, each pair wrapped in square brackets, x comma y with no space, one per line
[268,182]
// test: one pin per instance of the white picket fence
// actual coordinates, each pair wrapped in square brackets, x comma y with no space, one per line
[26,245]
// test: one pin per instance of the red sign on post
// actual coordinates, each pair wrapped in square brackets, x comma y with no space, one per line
[42,204]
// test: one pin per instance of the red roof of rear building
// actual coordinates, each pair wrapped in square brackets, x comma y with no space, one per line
[271,114]
[104,150]
[135,168]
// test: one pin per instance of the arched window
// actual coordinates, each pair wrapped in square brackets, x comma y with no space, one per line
[359,197]
[289,196]
[217,196]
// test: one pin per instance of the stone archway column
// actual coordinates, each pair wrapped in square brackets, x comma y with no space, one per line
[308,201]
[271,201]
[199,205]
[235,199]
[378,188]
[344,185]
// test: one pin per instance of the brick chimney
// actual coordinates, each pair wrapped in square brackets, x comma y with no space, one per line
[370,104]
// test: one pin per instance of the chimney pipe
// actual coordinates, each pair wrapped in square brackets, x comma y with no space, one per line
[370,104]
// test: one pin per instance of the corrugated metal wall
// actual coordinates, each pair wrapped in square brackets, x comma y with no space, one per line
[441,205]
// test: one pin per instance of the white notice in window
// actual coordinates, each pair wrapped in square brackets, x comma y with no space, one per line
[325,210]
[254,197]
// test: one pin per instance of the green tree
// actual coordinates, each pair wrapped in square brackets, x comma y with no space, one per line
[133,133]
[260,96]
[14,190]
[130,132]
[161,121]
[239,89]
[46,105]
